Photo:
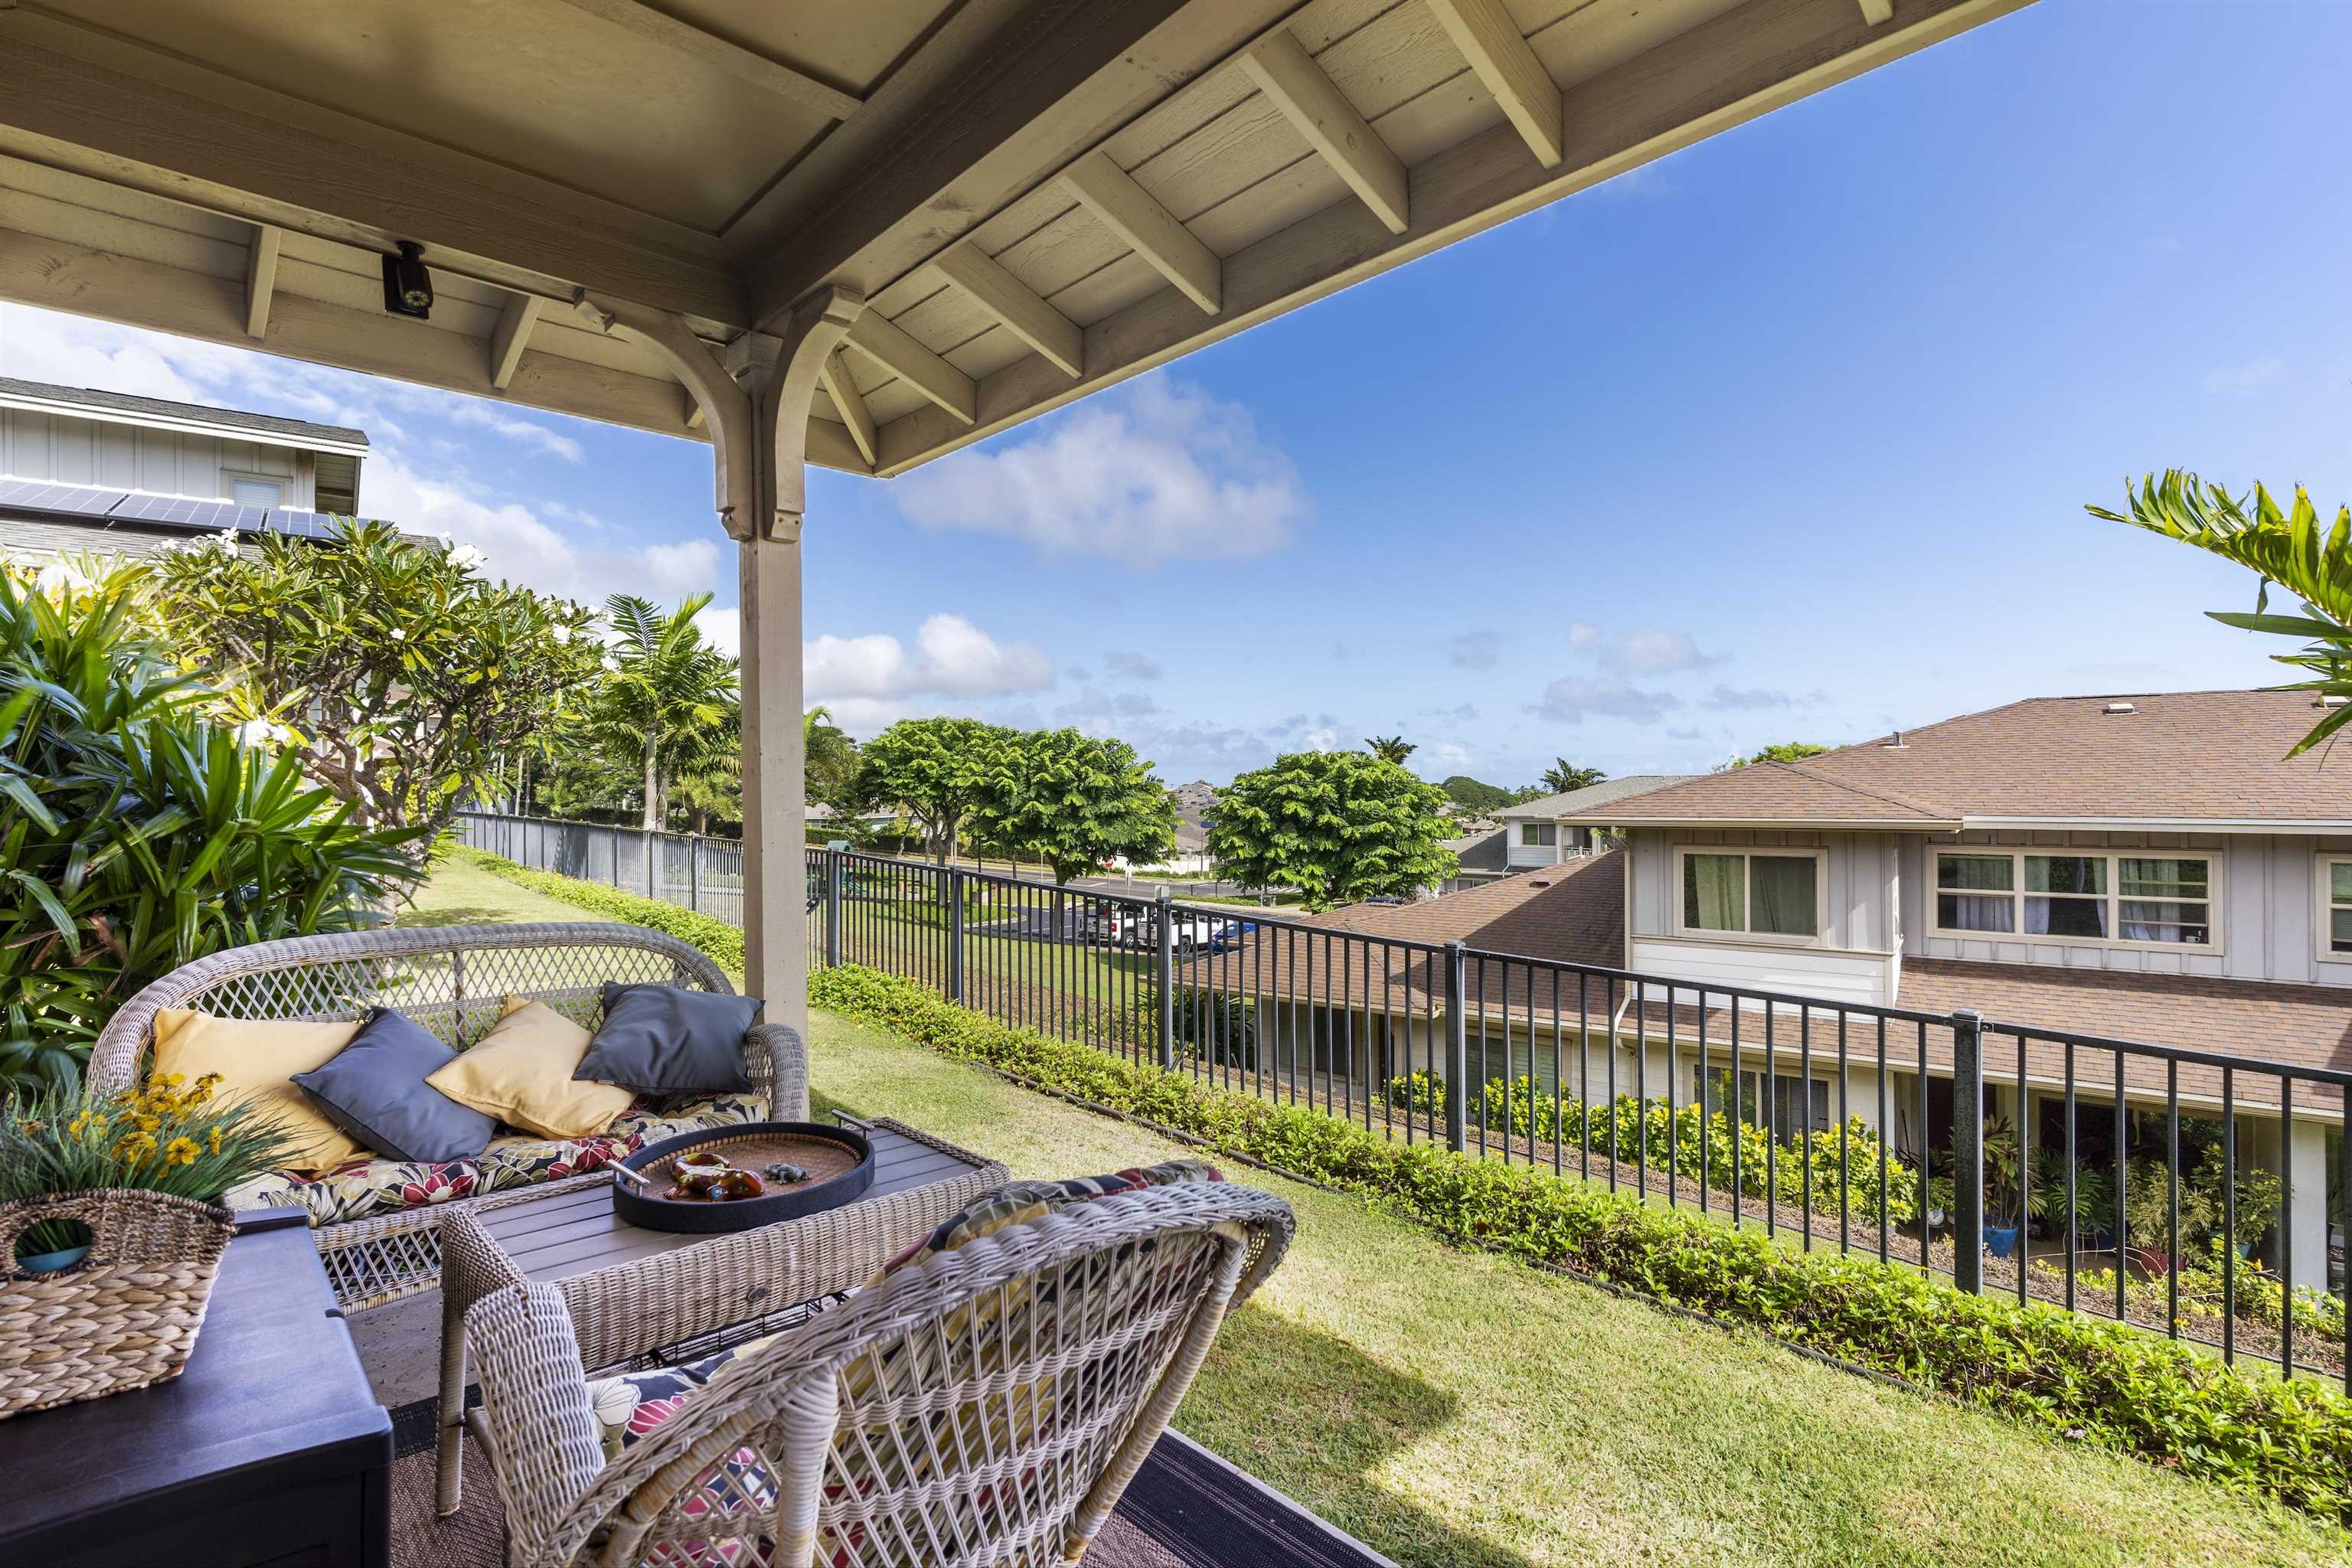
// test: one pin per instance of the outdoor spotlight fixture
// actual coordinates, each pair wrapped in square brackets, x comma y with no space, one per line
[407,287]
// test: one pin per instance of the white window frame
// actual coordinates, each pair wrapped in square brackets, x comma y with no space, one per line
[1820,859]
[1531,836]
[2113,898]
[2327,905]
[282,483]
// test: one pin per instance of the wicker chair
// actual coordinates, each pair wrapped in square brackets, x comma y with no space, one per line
[983,1409]
[450,980]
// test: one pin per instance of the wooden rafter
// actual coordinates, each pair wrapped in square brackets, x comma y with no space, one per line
[850,404]
[1146,227]
[1283,71]
[1015,304]
[889,345]
[660,28]
[261,279]
[513,332]
[1487,36]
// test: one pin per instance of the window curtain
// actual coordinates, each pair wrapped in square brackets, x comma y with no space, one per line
[1712,891]
[1781,895]
[1974,911]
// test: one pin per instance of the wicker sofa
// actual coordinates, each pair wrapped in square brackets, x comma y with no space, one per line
[376,1223]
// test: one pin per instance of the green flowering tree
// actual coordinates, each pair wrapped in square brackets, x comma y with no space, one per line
[1339,825]
[1074,801]
[387,665]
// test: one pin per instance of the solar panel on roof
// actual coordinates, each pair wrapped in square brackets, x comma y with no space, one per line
[181,511]
[34,495]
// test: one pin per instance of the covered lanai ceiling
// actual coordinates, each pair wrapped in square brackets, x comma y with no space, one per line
[1037,197]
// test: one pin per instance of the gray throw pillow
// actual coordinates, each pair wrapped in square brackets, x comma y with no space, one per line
[661,1040]
[374,1090]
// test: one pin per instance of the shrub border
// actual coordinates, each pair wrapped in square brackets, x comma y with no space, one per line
[2078,1377]
[720,940]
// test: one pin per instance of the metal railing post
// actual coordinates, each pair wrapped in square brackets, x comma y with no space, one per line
[955,934]
[1163,980]
[1968,1150]
[653,861]
[832,908]
[694,872]
[615,857]
[1457,1047]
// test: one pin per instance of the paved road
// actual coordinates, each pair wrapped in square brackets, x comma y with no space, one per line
[1136,887]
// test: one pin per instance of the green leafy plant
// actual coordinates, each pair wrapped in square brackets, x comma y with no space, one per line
[722,943]
[1338,826]
[139,833]
[2291,548]
[665,695]
[1389,748]
[1782,752]
[170,1136]
[936,768]
[393,672]
[2092,1381]
[1072,801]
[1563,776]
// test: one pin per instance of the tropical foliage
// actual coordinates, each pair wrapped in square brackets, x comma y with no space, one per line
[140,832]
[391,671]
[936,768]
[666,696]
[1564,775]
[1074,801]
[1340,827]
[2291,548]
[1784,751]
[1389,748]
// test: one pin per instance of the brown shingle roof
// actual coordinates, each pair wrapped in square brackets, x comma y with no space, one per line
[2179,756]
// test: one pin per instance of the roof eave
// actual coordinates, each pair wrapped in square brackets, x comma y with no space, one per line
[1874,824]
[186,424]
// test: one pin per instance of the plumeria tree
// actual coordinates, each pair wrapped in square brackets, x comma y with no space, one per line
[1074,801]
[1339,825]
[2291,547]
[393,671]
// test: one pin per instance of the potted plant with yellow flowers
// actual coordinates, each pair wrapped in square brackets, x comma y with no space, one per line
[111,1229]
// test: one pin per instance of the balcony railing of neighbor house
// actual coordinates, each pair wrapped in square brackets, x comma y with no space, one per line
[2199,1195]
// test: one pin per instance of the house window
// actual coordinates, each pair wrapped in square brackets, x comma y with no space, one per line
[1751,892]
[2336,907]
[1538,835]
[2153,900]
[255,493]
[1799,1105]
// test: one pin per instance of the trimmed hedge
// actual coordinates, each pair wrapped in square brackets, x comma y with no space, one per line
[721,941]
[2086,1378]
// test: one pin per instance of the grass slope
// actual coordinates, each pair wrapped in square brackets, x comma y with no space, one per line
[1458,1409]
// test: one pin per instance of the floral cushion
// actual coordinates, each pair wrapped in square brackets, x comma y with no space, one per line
[630,1405]
[365,1189]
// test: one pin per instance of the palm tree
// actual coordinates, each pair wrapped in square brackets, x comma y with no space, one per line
[1564,775]
[1389,748]
[830,756]
[666,691]
[2288,548]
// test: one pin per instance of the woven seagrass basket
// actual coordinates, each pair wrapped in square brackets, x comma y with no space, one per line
[123,1317]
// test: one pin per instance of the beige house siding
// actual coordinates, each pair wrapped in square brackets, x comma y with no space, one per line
[57,448]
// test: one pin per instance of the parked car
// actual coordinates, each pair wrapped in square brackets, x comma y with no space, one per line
[1125,925]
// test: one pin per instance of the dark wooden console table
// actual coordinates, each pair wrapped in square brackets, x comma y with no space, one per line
[269,1451]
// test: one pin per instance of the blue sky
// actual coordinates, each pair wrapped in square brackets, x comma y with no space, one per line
[1787,436]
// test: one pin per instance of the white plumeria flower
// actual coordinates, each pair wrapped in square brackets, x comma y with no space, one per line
[562,634]
[399,634]
[466,557]
[226,541]
[255,733]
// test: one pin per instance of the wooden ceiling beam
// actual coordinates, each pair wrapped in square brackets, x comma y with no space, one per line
[1014,304]
[1146,227]
[1288,76]
[850,404]
[261,279]
[1485,35]
[513,334]
[889,345]
[660,28]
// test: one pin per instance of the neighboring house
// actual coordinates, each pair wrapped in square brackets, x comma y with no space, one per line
[1541,834]
[104,472]
[1189,856]
[1485,856]
[2147,868]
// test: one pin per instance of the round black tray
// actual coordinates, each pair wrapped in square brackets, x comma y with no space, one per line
[698,1215]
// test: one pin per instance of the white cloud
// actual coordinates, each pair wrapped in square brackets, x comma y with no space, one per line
[1477,650]
[950,657]
[1319,739]
[1156,472]
[1132,666]
[1447,754]
[528,432]
[1732,699]
[1572,699]
[2245,380]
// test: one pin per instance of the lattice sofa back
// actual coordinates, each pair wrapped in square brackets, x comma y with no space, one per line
[451,979]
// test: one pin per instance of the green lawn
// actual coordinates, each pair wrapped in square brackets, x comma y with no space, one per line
[1458,1410]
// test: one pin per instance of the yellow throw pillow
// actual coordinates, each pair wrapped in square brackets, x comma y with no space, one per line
[521,1072]
[256,1061]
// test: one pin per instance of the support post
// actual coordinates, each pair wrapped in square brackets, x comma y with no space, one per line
[1457,1047]
[832,908]
[955,934]
[1968,1150]
[2305,1236]
[1164,978]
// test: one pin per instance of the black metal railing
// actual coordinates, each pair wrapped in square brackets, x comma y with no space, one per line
[2199,1195]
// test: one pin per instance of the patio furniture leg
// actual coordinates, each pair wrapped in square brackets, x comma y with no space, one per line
[450,1455]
